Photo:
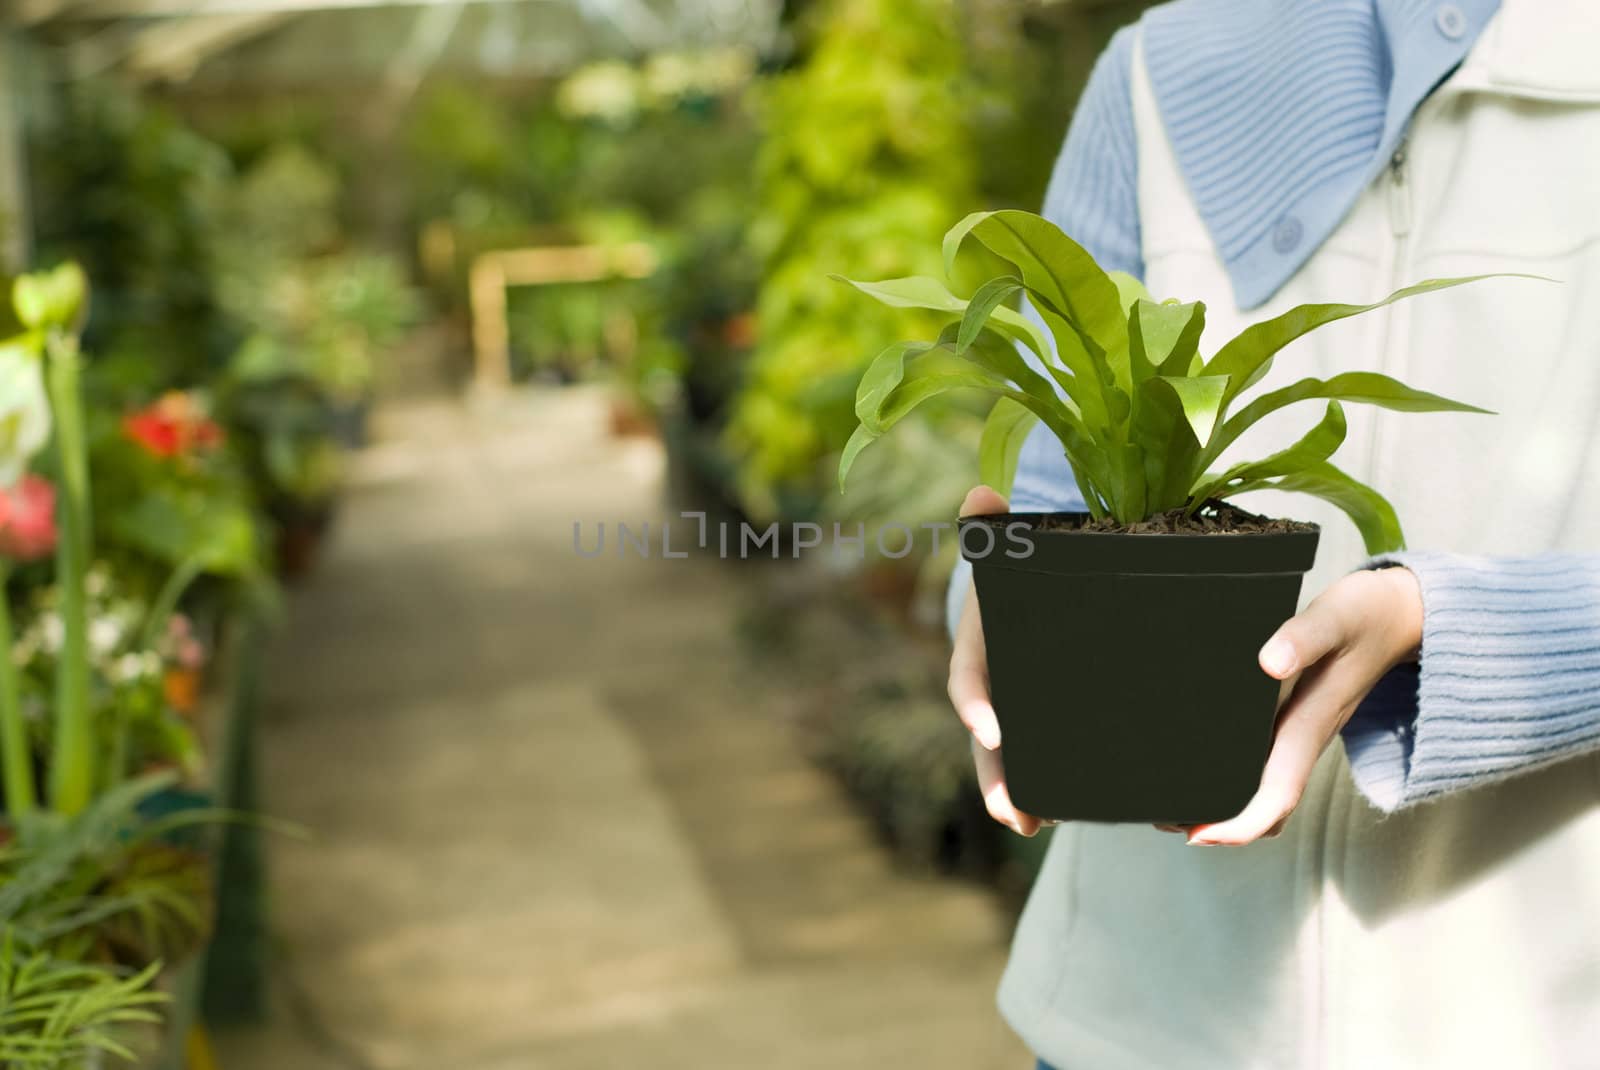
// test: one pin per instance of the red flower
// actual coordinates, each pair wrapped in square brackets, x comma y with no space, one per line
[28,519]
[174,425]
[157,435]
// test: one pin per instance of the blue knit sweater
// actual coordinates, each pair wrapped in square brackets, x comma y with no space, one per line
[1280,113]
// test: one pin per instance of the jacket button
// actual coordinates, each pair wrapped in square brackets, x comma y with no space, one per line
[1286,234]
[1451,21]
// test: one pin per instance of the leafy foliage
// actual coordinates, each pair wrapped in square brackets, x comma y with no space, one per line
[58,1013]
[125,187]
[315,308]
[90,907]
[283,426]
[1140,413]
[135,726]
[866,157]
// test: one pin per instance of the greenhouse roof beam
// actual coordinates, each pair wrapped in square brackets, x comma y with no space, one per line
[30,12]
[106,9]
[276,43]
[632,18]
[172,51]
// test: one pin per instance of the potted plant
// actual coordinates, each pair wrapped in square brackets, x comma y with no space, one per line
[94,909]
[284,424]
[95,894]
[1122,640]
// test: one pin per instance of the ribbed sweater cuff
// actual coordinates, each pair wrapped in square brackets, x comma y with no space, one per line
[1509,678]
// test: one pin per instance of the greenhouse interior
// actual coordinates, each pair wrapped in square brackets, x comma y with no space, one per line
[341,331]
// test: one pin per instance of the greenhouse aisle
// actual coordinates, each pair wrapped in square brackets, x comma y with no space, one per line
[557,822]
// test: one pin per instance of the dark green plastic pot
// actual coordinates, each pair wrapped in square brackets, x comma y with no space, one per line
[1123,667]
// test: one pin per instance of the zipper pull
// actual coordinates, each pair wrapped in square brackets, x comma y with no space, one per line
[1399,196]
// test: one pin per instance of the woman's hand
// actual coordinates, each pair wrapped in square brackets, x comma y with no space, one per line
[1328,657]
[969,691]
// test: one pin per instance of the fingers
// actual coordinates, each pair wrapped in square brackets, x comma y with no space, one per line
[992,783]
[1299,742]
[969,691]
[1306,638]
[983,501]
[969,677]
[1321,686]
[1376,609]
[969,660]
[1328,658]
[1322,700]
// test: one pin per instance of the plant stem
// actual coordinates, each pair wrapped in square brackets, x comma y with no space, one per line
[72,778]
[21,795]
[166,600]
[116,756]
[1086,490]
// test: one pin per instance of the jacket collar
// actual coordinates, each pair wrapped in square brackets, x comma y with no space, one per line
[1538,50]
[1279,114]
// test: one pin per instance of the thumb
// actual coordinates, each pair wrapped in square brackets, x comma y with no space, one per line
[983,501]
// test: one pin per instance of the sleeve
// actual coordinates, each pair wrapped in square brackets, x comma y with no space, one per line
[1093,196]
[1508,680]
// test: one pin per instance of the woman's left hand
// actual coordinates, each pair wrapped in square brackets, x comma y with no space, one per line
[1328,657]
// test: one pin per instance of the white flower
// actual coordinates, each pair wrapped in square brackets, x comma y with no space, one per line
[127,668]
[104,635]
[669,74]
[126,615]
[607,90]
[24,410]
[52,632]
[97,579]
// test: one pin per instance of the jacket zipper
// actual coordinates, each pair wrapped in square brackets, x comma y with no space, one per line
[1325,1042]
[1399,198]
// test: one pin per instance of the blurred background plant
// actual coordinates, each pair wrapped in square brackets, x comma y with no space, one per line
[281,224]
[91,908]
[313,306]
[99,684]
[127,189]
[894,119]
[868,157]
[248,247]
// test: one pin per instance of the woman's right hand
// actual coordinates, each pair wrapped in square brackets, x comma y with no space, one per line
[969,690]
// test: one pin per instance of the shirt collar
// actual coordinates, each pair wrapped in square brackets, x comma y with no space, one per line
[1270,191]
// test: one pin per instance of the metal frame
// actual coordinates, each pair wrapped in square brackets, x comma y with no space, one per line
[493,272]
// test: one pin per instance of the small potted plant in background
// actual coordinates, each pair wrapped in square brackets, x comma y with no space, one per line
[284,421]
[1122,640]
[359,307]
